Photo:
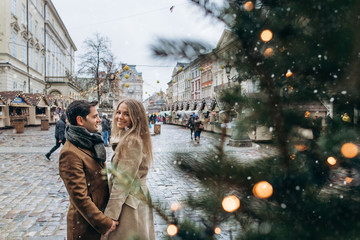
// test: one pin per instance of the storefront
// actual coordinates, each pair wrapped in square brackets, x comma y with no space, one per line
[40,109]
[16,107]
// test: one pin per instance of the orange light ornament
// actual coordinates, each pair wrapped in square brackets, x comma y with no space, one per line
[269,52]
[266,35]
[262,190]
[349,150]
[331,160]
[172,230]
[248,6]
[230,203]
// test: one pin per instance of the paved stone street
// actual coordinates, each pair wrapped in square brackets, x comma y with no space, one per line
[33,198]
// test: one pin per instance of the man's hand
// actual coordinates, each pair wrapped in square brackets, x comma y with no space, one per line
[113,227]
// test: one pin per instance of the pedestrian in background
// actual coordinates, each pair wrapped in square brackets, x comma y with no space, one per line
[132,156]
[105,125]
[59,135]
[81,162]
[198,127]
[190,124]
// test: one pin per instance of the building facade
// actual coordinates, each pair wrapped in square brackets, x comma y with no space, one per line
[36,50]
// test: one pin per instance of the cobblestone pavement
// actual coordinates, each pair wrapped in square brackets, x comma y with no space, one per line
[33,198]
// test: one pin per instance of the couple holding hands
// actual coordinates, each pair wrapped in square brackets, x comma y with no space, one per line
[102,208]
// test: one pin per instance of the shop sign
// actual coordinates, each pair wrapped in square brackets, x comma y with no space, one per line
[18,100]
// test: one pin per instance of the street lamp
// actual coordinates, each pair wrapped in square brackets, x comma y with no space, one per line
[228,70]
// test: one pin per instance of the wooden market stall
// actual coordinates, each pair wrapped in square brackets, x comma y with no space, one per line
[18,108]
[40,109]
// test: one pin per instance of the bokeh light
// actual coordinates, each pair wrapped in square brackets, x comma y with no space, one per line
[307,114]
[348,179]
[248,6]
[172,230]
[127,76]
[175,206]
[126,68]
[127,85]
[201,68]
[266,35]
[349,150]
[217,230]
[262,189]
[180,69]
[289,73]
[331,160]
[300,147]
[269,52]
[231,203]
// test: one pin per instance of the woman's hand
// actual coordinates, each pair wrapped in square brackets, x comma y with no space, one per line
[113,227]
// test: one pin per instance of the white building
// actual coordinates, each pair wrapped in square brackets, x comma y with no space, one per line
[36,51]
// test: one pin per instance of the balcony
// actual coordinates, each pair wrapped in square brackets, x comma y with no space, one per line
[52,80]
[221,87]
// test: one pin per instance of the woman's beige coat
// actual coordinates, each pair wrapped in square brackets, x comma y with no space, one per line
[125,205]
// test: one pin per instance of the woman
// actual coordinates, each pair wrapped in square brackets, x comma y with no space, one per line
[132,159]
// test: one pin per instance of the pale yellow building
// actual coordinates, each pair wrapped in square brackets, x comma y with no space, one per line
[36,50]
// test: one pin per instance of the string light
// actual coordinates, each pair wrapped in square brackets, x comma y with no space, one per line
[231,203]
[262,190]
[217,230]
[349,150]
[266,35]
[172,230]
[269,52]
[289,73]
[248,6]
[331,160]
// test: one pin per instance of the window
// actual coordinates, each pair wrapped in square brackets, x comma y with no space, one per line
[36,28]
[42,9]
[23,51]
[14,44]
[13,7]
[31,56]
[14,85]
[42,36]
[36,61]
[42,65]
[30,22]
[23,13]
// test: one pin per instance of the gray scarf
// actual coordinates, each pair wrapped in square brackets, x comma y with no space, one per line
[81,137]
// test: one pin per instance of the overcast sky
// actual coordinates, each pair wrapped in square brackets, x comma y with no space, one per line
[133,25]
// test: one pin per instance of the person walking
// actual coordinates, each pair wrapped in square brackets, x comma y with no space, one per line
[190,124]
[105,125]
[59,135]
[81,162]
[131,160]
[198,127]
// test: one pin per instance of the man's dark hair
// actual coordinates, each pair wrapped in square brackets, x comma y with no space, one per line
[79,108]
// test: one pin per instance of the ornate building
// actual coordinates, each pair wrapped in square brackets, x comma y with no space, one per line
[36,50]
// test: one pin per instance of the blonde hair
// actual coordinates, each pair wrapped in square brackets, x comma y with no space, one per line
[139,127]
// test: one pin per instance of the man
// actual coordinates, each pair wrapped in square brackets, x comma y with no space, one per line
[190,124]
[59,135]
[81,161]
[105,125]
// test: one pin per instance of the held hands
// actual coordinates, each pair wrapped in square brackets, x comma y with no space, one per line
[113,227]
